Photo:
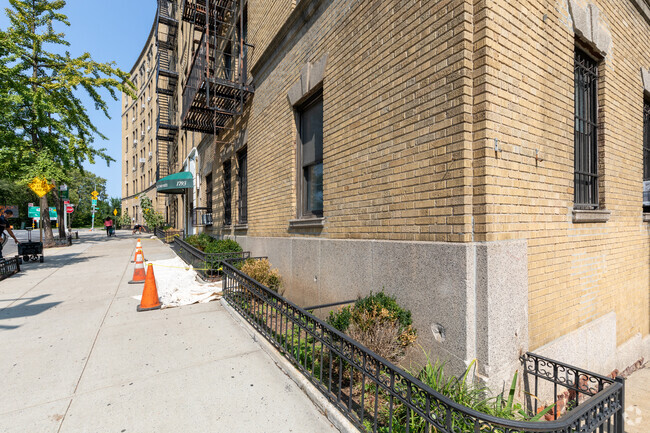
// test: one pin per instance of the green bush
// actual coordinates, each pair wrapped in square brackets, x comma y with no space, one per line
[379,323]
[260,270]
[201,241]
[222,246]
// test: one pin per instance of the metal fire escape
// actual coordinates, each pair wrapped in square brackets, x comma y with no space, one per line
[217,85]
[166,82]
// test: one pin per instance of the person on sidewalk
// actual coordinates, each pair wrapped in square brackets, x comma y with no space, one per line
[108,223]
[4,225]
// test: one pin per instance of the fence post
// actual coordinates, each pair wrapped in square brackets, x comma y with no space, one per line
[620,416]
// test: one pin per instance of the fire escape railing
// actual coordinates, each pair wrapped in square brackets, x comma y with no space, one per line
[217,86]
[166,82]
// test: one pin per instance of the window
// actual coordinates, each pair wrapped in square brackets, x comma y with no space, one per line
[242,180]
[310,127]
[227,193]
[585,131]
[208,192]
[646,155]
[127,145]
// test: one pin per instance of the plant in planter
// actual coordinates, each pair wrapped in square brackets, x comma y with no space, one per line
[260,270]
[379,323]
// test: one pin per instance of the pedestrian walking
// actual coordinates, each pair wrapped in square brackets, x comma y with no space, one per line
[108,223]
[4,226]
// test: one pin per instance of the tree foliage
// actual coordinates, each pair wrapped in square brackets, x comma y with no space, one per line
[152,218]
[44,126]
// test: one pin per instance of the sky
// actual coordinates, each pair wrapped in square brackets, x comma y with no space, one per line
[114,30]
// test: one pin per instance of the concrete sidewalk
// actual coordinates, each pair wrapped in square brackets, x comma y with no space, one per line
[77,357]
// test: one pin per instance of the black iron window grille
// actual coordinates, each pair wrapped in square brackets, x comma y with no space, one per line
[242,180]
[585,131]
[646,139]
[646,155]
[208,192]
[227,193]
[378,396]
[311,155]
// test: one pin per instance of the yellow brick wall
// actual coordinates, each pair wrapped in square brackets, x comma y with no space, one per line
[524,97]
[414,95]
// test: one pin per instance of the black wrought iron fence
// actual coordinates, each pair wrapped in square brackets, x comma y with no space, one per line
[8,267]
[168,236]
[208,265]
[378,396]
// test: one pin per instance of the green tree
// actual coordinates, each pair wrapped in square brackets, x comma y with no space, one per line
[46,129]
[152,218]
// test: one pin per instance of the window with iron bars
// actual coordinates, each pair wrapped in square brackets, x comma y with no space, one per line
[585,131]
[227,193]
[646,154]
[242,177]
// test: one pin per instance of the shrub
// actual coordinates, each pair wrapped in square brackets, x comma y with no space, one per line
[223,246]
[379,323]
[260,270]
[201,241]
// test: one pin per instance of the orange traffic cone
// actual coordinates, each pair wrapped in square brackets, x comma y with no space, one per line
[138,250]
[138,271]
[150,300]
[138,244]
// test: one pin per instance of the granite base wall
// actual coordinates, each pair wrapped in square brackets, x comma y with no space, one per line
[469,300]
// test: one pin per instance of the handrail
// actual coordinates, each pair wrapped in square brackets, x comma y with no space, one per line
[438,411]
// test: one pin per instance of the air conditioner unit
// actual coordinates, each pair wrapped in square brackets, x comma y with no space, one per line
[646,193]
[148,128]
[148,70]
[142,134]
[133,120]
[143,160]
[207,219]
[133,169]
[150,155]
[135,142]
[149,99]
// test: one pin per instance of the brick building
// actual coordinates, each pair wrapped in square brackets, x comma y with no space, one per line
[143,154]
[483,161]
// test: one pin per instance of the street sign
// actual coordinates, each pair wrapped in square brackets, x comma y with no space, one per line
[35,212]
[40,186]
[115,212]
[63,187]
[66,201]
[64,194]
[94,202]
[69,208]
[94,194]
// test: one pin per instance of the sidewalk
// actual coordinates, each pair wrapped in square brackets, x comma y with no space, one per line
[77,357]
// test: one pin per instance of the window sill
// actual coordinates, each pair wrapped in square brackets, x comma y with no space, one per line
[646,217]
[307,223]
[226,227]
[591,215]
[241,227]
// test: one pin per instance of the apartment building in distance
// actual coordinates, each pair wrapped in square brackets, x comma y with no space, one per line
[485,162]
[144,153]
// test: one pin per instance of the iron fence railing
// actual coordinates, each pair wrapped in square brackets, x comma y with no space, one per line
[168,236]
[377,396]
[8,267]
[208,265]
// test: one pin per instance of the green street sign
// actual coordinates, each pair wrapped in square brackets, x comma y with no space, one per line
[94,202]
[65,195]
[35,212]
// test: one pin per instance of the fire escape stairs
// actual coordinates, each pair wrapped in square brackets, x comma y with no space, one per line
[166,82]
[217,84]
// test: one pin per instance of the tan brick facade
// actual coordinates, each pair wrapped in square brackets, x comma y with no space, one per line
[140,153]
[451,122]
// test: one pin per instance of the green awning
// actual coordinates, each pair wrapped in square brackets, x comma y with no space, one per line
[175,183]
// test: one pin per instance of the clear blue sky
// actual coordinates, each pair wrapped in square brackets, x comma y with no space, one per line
[110,30]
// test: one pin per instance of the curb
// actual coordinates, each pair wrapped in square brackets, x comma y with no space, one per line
[335,416]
